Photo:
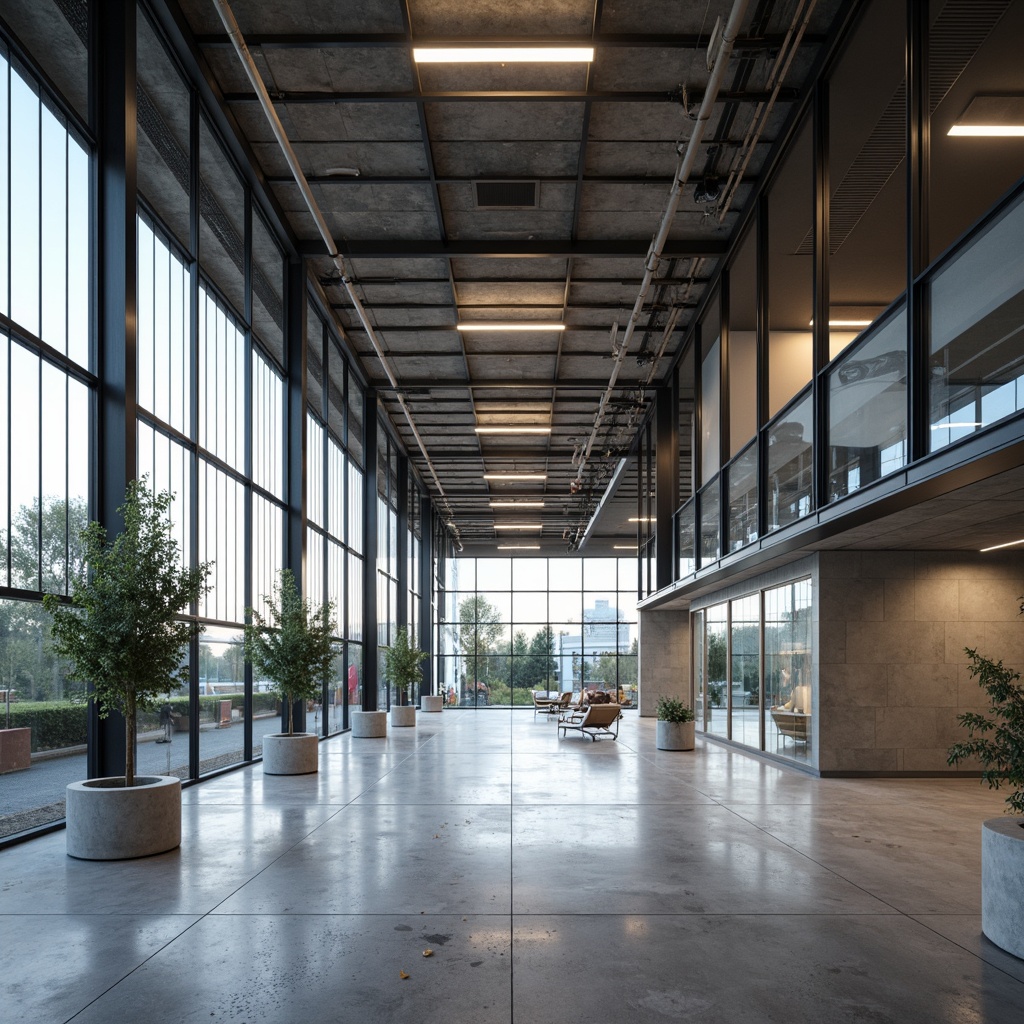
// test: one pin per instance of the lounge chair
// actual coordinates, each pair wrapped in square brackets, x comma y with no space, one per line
[595,720]
[550,705]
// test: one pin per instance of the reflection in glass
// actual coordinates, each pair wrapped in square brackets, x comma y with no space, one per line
[745,663]
[976,308]
[221,218]
[701,708]
[787,670]
[687,527]
[710,524]
[742,483]
[867,406]
[790,467]
[716,665]
[222,702]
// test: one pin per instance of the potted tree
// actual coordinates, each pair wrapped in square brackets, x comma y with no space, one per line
[121,633]
[675,725]
[996,739]
[293,649]
[402,665]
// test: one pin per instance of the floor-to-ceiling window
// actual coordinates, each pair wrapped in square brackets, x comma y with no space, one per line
[47,390]
[514,626]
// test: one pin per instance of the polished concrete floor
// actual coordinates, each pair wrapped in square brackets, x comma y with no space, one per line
[555,880]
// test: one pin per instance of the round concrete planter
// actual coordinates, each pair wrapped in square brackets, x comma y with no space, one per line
[432,703]
[369,725]
[298,754]
[403,716]
[1002,883]
[106,821]
[675,736]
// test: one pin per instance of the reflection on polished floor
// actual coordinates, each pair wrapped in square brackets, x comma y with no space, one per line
[554,880]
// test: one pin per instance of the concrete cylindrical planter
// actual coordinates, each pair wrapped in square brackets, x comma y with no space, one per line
[106,821]
[402,715]
[1002,883]
[298,754]
[675,736]
[432,703]
[369,724]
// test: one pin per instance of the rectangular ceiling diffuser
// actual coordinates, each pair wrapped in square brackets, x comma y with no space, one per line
[505,195]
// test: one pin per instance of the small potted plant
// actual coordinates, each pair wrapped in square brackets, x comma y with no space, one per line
[293,649]
[402,665]
[996,739]
[675,725]
[122,633]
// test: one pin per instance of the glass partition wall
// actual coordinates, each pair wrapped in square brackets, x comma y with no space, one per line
[826,381]
[752,661]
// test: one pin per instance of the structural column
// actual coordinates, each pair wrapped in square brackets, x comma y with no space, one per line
[370,555]
[113,35]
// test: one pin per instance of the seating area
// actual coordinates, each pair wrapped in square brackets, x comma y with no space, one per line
[591,720]
[549,705]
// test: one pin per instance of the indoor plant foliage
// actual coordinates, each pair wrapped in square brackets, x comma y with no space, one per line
[121,632]
[996,738]
[293,646]
[402,662]
[672,710]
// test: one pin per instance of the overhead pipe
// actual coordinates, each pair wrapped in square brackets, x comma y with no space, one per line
[227,17]
[683,169]
[758,123]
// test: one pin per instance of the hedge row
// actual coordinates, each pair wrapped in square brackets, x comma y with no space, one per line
[59,724]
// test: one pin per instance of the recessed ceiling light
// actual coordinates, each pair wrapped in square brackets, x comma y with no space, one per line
[518,547]
[519,325]
[512,430]
[998,116]
[517,504]
[518,526]
[502,54]
[515,476]
[1008,544]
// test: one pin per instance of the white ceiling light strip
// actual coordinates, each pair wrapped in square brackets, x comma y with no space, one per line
[227,17]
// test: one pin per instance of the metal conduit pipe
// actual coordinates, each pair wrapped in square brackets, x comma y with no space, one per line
[758,123]
[683,168]
[227,17]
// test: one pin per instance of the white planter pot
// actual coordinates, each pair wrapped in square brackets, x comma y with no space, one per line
[1002,883]
[106,821]
[675,735]
[369,724]
[432,703]
[402,716]
[298,754]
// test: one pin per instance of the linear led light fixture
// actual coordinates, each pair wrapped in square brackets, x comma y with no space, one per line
[517,504]
[624,547]
[846,323]
[512,430]
[502,54]
[518,325]
[515,476]
[518,547]
[993,116]
[641,519]
[1008,544]
[518,526]
[956,426]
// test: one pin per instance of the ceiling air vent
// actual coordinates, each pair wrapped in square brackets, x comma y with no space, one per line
[505,195]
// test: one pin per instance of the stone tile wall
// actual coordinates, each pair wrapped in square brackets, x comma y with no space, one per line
[890,666]
[664,664]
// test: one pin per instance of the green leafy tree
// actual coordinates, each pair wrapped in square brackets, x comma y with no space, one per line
[542,663]
[997,738]
[293,646]
[47,548]
[402,662]
[122,632]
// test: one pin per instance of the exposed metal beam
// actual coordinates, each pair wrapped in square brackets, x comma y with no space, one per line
[423,179]
[400,41]
[630,248]
[497,96]
[482,384]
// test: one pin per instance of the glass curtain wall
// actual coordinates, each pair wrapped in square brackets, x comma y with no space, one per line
[515,626]
[47,394]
